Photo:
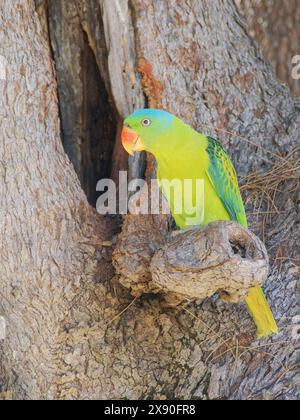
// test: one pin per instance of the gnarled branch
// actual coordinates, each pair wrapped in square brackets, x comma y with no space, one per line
[194,264]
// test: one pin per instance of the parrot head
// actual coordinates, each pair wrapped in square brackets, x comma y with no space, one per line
[143,130]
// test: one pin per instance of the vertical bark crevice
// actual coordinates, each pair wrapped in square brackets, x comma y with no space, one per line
[99,125]
[89,118]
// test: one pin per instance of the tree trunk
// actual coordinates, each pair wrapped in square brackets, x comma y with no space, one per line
[72,330]
[276,27]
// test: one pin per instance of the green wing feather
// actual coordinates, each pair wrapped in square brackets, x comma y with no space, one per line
[224,180]
[223,177]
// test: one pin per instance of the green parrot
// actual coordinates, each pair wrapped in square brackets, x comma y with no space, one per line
[183,153]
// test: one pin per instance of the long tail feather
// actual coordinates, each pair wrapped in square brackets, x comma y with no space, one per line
[261,313]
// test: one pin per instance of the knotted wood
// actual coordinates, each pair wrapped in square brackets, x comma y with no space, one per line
[195,264]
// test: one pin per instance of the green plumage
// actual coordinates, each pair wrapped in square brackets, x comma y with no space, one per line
[184,154]
[224,179]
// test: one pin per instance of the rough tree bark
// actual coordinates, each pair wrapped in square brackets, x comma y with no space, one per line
[275,25]
[66,337]
[195,264]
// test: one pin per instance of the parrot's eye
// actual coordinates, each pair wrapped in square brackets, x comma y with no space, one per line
[146,122]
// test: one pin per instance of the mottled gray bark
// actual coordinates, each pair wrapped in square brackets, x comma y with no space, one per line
[195,264]
[67,334]
[275,25]
[50,237]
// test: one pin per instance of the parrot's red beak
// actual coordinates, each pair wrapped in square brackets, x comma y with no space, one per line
[131,141]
